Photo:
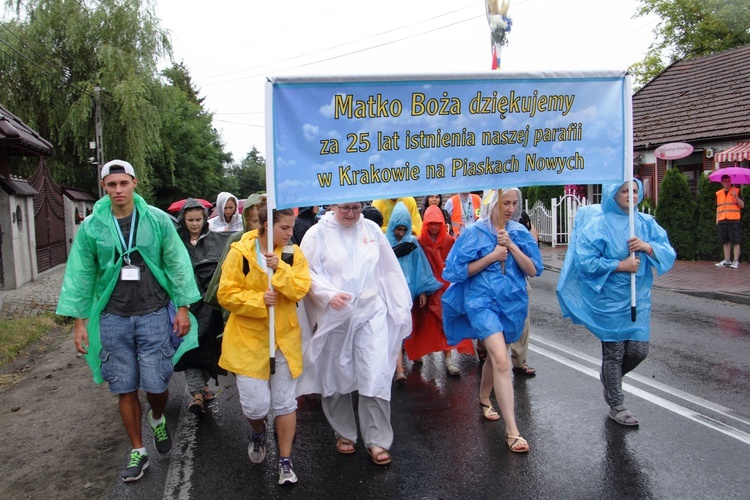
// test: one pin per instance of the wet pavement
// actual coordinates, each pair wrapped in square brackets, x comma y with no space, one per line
[690,394]
[693,442]
[702,279]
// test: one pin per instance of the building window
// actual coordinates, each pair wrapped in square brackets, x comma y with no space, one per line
[596,193]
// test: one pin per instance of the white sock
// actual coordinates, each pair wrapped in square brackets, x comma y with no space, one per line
[142,451]
[153,422]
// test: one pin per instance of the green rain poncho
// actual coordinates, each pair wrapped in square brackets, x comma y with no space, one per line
[93,270]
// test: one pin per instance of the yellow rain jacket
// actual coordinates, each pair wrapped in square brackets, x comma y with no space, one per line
[245,348]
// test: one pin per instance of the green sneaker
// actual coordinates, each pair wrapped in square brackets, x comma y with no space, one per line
[137,463]
[162,437]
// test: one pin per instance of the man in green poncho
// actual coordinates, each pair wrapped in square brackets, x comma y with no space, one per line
[126,264]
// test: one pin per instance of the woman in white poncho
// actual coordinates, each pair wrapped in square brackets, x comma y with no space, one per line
[359,307]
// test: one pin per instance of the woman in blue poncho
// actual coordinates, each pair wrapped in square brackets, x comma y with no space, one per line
[487,268]
[414,264]
[594,285]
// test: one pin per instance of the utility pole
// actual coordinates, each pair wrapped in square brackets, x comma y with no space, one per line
[99,138]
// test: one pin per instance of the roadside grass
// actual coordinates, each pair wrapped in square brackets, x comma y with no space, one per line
[15,334]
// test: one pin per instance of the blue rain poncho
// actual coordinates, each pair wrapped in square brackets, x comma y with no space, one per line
[415,265]
[589,290]
[93,269]
[497,302]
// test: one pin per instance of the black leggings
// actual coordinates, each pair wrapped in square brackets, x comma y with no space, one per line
[618,358]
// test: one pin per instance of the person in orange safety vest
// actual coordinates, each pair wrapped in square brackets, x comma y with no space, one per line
[464,210]
[729,207]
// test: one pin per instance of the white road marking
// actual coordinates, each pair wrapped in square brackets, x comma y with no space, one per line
[657,400]
[180,473]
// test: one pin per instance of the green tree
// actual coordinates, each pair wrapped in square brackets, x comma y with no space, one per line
[53,55]
[707,244]
[192,158]
[690,28]
[250,175]
[179,76]
[543,194]
[675,212]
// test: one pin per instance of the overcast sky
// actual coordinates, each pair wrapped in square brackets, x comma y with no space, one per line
[233,46]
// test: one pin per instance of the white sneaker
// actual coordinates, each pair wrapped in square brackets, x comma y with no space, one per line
[735,265]
[256,450]
[452,368]
[723,263]
[286,473]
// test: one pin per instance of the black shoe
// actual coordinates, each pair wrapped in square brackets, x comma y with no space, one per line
[524,371]
[136,465]
[162,437]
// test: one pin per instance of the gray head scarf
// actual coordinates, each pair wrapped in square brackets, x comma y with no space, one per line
[490,200]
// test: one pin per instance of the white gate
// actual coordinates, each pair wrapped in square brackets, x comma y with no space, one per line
[555,227]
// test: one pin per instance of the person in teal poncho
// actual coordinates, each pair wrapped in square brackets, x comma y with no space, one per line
[414,264]
[594,285]
[126,264]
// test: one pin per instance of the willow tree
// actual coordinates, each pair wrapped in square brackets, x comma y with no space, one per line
[192,158]
[54,53]
[691,28]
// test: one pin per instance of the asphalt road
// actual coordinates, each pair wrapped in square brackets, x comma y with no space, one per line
[690,395]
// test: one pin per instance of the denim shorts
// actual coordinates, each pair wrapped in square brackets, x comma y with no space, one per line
[136,352]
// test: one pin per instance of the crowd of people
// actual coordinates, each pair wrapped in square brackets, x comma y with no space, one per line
[328,301]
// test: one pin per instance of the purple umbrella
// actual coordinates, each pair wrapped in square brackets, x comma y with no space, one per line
[738,175]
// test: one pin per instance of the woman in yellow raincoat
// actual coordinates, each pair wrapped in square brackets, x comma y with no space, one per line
[244,292]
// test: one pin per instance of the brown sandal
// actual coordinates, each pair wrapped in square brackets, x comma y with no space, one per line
[489,412]
[340,446]
[196,407]
[381,461]
[525,371]
[517,441]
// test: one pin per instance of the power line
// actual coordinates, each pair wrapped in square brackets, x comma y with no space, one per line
[65,73]
[614,43]
[347,43]
[24,56]
[349,53]
[240,123]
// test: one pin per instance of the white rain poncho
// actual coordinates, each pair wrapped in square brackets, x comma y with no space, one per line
[219,223]
[355,348]
[590,292]
[498,301]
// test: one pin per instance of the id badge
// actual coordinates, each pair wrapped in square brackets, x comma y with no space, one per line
[130,273]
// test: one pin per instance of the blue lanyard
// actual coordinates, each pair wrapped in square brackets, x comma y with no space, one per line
[129,247]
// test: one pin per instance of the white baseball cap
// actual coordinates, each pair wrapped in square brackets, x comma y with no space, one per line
[117,167]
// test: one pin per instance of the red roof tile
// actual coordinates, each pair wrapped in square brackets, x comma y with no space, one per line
[705,98]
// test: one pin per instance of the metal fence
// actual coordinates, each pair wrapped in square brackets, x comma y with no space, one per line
[555,226]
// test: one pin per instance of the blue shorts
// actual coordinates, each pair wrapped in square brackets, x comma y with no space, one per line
[136,352]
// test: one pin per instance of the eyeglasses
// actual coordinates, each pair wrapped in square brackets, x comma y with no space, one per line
[354,209]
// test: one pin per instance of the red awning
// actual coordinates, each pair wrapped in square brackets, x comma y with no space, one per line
[736,153]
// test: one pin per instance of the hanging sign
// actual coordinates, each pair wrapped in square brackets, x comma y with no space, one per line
[673,151]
